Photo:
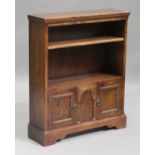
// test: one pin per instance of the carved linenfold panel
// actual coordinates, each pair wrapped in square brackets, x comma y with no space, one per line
[61,106]
[109,98]
[86,105]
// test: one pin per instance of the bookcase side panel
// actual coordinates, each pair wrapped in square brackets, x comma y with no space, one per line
[125,47]
[124,62]
[38,73]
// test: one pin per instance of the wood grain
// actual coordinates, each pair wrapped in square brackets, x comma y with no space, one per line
[77,72]
[56,19]
[46,138]
[81,80]
[38,73]
[83,42]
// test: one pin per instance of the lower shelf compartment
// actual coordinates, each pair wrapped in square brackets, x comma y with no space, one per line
[81,79]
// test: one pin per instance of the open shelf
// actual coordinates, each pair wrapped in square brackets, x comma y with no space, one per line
[83,42]
[85,53]
[74,81]
[81,60]
[85,34]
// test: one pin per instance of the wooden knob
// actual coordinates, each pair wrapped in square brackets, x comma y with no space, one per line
[98,102]
[75,107]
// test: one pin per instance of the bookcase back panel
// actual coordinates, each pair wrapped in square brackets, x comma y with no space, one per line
[76,61]
[114,58]
[107,58]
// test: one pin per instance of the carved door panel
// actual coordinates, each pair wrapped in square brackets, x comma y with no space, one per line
[109,99]
[87,95]
[62,108]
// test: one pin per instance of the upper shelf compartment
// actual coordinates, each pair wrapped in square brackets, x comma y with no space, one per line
[85,34]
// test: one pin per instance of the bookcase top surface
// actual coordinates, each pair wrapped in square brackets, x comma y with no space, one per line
[79,15]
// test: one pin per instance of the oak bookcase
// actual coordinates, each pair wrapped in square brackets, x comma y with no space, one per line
[77,72]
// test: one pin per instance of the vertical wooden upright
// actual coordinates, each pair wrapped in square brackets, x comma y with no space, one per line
[38,75]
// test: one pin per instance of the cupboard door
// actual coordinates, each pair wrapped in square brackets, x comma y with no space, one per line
[62,108]
[109,99]
[86,102]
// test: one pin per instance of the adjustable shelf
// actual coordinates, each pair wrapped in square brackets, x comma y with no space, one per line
[84,42]
[77,72]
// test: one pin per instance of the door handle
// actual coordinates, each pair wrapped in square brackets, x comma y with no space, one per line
[75,107]
[98,102]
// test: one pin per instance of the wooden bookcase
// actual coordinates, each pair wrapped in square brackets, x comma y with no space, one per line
[77,72]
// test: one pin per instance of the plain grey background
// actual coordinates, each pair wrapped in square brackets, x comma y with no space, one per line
[118,142]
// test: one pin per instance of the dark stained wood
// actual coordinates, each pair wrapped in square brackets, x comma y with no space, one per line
[61,108]
[85,79]
[77,72]
[46,138]
[90,16]
[83,42]
[114,58]
[87,31]
[104,58]
[86,101]
[76,61]
[109,94]
[38,73]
